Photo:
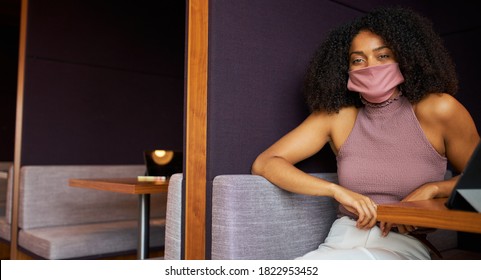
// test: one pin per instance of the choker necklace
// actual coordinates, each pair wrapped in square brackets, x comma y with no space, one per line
[378,105]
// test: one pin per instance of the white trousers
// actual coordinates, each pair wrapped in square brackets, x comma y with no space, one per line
[346,242]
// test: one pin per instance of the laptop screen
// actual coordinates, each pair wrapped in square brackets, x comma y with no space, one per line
[466,194]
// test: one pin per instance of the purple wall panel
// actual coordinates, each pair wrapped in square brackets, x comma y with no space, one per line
[8,90]
[464,48]
[258,54]
[143,36]
[76,114]
[104,81]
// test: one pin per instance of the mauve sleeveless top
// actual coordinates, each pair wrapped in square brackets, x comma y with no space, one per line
[387,155]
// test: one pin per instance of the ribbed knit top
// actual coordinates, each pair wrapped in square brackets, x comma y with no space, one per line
[387,155]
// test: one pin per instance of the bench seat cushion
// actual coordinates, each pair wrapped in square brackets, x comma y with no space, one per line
[88,240]
[46,199]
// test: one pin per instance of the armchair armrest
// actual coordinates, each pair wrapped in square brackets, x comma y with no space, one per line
[254,219]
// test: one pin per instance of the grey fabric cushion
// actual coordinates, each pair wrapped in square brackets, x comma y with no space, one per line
[80,241]
[254,219]
[173,218]
[61,222]
[46,199]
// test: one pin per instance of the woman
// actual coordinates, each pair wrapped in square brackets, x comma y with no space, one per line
[381,94]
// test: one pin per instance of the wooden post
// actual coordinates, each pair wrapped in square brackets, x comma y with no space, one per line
[196,130]
[18,129]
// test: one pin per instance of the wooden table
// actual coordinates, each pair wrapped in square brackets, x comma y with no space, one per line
[130,186]
[430,213]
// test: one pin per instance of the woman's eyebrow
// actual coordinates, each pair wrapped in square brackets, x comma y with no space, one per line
[380,48]
[356,52]
[374,50]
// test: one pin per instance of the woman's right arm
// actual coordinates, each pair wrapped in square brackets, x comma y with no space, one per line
[277,164]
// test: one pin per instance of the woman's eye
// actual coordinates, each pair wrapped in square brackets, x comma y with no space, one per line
[384,56]
[357,61]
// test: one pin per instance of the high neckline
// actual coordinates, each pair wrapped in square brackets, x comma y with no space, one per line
[389,105]
[382,104]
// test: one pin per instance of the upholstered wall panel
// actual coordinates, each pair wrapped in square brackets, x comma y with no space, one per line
[258,54]
[78,114]
[463,48]
[8,89]
[142,36]
[104,81]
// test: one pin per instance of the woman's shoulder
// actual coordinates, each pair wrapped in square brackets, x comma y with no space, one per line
[341,114]
[438,106]
[342,119]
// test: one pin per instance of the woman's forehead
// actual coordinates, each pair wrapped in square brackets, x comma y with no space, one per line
[366,41]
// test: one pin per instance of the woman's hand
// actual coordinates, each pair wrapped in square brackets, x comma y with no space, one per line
[426,191]
[362,206]
[403,229]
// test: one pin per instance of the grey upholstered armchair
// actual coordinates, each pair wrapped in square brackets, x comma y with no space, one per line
[254,219]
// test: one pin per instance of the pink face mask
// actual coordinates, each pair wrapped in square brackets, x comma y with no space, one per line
[377,83]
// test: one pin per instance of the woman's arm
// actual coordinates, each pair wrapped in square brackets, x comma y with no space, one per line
[277,164]
[443,117]
[449,119]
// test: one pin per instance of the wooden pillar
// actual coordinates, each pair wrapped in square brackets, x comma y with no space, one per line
[196,131]
[18,129]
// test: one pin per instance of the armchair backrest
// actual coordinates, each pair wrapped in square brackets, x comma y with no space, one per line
[254,219]
[173,219]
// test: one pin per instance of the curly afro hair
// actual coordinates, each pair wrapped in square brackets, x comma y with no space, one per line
[423,59]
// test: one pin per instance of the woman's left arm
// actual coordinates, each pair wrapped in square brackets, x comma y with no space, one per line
[453,132]
[446,119]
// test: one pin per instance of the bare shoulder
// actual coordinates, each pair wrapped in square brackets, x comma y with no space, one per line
[346,114]
[447,122]
[337,126]
[438,107]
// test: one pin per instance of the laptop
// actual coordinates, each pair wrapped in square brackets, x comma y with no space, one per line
[163,163]
[466,194]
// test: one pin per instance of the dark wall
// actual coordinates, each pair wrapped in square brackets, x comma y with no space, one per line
[464,47]
[104,81]
[9,34]
[258,52]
